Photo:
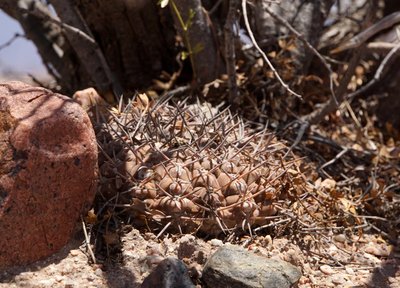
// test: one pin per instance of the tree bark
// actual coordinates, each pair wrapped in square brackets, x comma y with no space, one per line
[391,6]
[56,53]
[136,37]
[307,17]
[86,48]
[200,40]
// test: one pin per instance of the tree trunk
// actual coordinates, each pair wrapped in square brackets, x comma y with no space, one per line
[86,48]
[56,53]
[136,37]
[307,17]
[134,41]
[199,39]
[391,6]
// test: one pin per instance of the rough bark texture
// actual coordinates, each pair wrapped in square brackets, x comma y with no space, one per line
[307,17]
[136,37]
[86,47]
[389,107]
[56,53]
[391,6]
[200,40]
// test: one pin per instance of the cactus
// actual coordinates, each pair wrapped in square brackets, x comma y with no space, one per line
[191,168]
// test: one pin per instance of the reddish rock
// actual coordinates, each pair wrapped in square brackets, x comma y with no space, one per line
[48,171]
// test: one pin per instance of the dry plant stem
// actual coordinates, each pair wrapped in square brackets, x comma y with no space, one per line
[9,42]
[38,32]
[163,230]
[286,220]
[174,93]
[302,130]
[194,25]
[87,241]
[382,70]
[362,37]
[309,46]
[317,115]
[215,7]
[230,56]
[90,55]
[38,82]
[340,154]
[84,36]
[380,46]
[253,40]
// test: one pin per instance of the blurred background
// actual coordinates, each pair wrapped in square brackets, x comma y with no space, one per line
[18,58]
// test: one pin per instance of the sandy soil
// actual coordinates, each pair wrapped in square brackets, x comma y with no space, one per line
[337,261]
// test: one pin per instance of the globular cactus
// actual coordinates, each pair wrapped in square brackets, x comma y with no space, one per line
[191,167]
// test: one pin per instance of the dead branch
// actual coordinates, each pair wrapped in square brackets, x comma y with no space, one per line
[246,21]
[385,23]
[382,70]
[90,56]
[47,38]
[12,39]
[308,45]
[317,115]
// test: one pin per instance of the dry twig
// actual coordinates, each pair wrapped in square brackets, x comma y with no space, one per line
[246,21]
[310,47]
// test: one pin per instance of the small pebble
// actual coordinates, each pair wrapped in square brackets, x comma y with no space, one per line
[312,279]
[349,284]
[303,280]
[350,271]
[267,241]
[58,278]
[326,269]
[370,259]
[46,283]
[216,242]
[378,250]
[340,238]
[188,238]
[338,279]
[90,277]
[74,252]
[393,280]
[195,270]
[98,272]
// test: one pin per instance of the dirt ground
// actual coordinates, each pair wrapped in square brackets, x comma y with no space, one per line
[337,261]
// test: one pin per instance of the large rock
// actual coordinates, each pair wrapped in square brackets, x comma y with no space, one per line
[233,267]
[48,171]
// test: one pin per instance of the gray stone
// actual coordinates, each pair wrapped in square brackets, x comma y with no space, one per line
[232,266]
[170,273]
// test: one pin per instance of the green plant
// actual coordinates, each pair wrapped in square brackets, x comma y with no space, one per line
[185,26]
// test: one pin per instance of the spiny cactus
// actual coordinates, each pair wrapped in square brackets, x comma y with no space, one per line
[191,167]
